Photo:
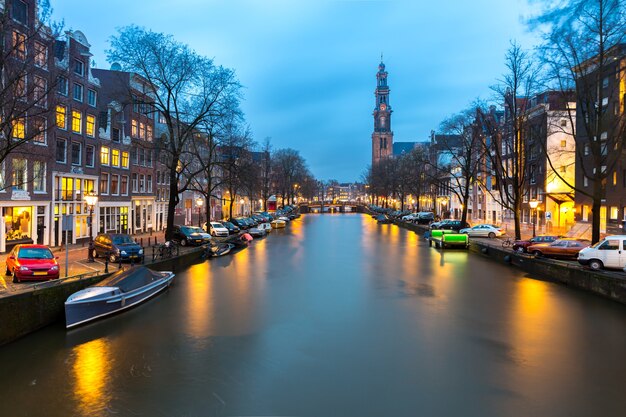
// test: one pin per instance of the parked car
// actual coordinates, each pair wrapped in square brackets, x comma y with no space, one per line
[449,224]
[610,252]
[240,223]
[483,230]
[561,248]
[522,245]
[232,229]
[117,246]
[424,217]
[32,263]
[383,219]
[190,235]
[217,229]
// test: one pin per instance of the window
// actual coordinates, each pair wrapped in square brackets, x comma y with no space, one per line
[563,169]
[135,184]
[39,176]
[563,143]
[40,85]
[90,129]
[125,159]
[76,151]
[142,131]
[142,157]
[585,181]
[586,149]
[77,121]
[18,130]
[92,97]
[149,132]
[614,177]
[41,55]
[62,86]
[158,177]
[19,11]
[104,183]
[133,128]
[115,134]
[142,183]
[62,117]
[104,155]
[90,151]
[115,181]
[19,174]
[40,125]
[78,92]
[79,67]
[149,158]
[149,183]
[563,122]
[61,150]
[115,157]
[20,87]
[133,155]
[19,45]
[614,213]
[124,185]
[605,82]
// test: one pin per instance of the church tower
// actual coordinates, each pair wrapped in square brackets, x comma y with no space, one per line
[382,138]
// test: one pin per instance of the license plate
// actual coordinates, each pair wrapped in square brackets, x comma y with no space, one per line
[40,273]
[134,256]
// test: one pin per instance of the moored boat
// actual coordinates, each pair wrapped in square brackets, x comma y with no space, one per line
[278,224]
[120,291]
[219,249]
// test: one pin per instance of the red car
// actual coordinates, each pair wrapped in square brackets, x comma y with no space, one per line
[522,245]
[32,263]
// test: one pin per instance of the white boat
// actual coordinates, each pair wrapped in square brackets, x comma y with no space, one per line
[265,226]
[278,224]
[120,291]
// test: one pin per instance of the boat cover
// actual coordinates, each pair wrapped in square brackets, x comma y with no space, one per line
[130,279]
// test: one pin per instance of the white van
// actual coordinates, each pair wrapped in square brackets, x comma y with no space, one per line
[607,253]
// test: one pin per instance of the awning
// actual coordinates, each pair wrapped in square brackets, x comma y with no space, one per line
[561,198]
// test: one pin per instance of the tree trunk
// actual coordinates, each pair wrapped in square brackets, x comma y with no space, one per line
[595,211]
[516,219]
[230,206]
[173,201]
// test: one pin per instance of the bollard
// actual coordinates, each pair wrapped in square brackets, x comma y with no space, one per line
[106,263]
[143,256]
[90,250]
[141,241]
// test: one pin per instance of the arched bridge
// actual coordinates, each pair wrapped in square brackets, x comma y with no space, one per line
[330,207]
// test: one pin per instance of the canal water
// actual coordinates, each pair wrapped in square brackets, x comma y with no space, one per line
[334,316]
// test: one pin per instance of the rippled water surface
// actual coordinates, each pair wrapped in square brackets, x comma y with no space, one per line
[334,316]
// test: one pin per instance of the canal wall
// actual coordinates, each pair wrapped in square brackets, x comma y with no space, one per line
[608,284]
[25,312]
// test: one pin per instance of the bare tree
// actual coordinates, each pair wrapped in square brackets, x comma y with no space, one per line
[506,150]
[584,51]
[186,88]
[289,169]
[28,80]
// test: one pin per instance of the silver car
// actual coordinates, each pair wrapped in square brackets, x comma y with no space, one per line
[483,230]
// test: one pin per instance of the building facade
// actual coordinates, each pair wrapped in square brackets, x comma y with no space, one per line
[382,137]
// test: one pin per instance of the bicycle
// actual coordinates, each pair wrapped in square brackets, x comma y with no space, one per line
[507,243]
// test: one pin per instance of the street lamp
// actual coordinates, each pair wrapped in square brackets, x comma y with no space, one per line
[533,207]
[199,203]
[91,199]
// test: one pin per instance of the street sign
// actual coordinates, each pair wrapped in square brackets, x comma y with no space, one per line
[68,222]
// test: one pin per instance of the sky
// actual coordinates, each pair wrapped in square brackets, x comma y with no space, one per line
[308,67]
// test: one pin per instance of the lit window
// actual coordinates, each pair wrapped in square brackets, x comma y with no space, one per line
[142,131]
[19,129]
[104,155]
[125,159]
[115,157]
[148,132]
[41,55]
[133,129]
[19,174]
[104,183]
[39,130]
[62,117]
[77,121]
[90,129]
[563,143]
[124,185]
[19,45]
[614,177]
[115,180]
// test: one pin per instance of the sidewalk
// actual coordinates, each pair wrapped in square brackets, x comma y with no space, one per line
[77,262]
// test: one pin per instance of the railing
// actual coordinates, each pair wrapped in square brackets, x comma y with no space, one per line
[59,281]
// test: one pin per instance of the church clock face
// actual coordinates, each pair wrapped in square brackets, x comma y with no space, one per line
[383,107]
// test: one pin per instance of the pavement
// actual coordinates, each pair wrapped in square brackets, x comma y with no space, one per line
[77,264]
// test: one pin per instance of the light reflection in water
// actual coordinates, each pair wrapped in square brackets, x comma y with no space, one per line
[91,370]
[200,298]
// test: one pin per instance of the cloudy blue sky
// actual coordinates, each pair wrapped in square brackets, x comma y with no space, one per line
[308,66]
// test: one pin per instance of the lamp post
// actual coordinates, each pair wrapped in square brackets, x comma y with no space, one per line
[199,203]
[91,199]
[533,208]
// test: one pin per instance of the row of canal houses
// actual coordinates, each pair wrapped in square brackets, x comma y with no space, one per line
[76,131]
[556,154]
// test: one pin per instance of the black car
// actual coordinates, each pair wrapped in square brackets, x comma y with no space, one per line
[190,235]
[232,229]
[117,246]
[240,222]
[455,225]
[383,219]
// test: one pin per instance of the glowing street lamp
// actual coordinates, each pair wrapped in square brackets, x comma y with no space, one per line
[91,199]
[533,207]
[199,203]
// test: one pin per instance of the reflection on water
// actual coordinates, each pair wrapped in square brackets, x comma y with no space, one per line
[91,370]
[334,316]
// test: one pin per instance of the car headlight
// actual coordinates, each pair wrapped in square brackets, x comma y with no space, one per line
[24,268]
[54,268]
[123,252]
[141,251]
[117,251]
